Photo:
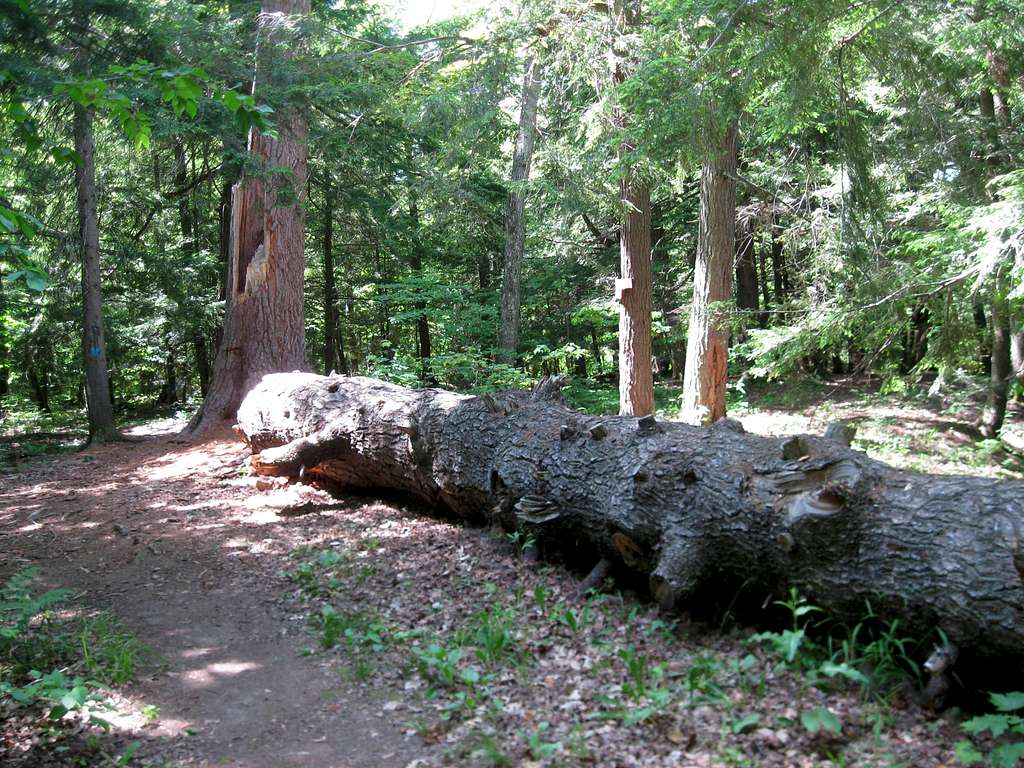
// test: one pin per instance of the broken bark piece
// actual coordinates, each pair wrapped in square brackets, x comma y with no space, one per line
[702,509]
[841,432]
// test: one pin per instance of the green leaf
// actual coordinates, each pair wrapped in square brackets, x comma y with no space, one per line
[967,754]
[745,723]
[1007,755]
[831,669]
[997,725]
[1007,702]
[820,719]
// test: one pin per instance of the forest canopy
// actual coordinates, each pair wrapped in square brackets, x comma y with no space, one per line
[703,193]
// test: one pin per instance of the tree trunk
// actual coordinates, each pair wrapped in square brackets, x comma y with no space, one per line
[4,351]
[1017,354]
[999,71]
[330,291]
[747,295]
[698,511]
[633,288]
[423,346]
[515,225]
[707,350]
[1000,371]
[636,378]
[778,269]
[94,345]
[264,325]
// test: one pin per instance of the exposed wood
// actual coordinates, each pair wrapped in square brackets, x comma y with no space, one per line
[264,325]
[707,343]
[698,510]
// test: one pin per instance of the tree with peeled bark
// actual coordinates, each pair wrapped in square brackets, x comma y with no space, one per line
[707,346]
[264,323]
[633,287]
[515,224]
[99,403]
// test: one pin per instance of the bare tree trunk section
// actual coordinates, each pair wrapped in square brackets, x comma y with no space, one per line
[264,325]
[999,71]
[747,294]
[707,350]
[1000,370]
[515,225]
[94,346]
[330,290]
[697,511]
[633,288]
[423,345]
[1017,353]
[636,377]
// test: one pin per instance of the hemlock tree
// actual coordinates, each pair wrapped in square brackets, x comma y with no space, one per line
[264,325]
[633,288]
[515,226]
[707,347]
[94,347]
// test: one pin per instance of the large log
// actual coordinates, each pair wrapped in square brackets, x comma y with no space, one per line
[692,508]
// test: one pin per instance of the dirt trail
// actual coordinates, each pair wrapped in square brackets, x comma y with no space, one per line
[169,537]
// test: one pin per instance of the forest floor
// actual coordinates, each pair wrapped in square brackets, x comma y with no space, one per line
[291,629]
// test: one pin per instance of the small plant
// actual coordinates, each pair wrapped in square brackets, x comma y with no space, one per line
[151,713]
[540,597]
[522,540]
[820,720]
[539,748]
[1005,726]
[493,635]
[108,652]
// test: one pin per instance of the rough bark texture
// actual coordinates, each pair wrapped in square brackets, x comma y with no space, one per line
[707,347]
[636,377]
[1000,370]
[515,226]
[331,344]
[633,288]
[264,326]
[747,294]
[94,345]
[698,510]
[1017,354]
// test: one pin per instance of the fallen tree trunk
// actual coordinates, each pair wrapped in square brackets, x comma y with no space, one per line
[693,508]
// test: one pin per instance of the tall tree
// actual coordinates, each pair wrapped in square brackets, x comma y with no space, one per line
[515,226]
[707,347]
[333,348]
[633,288]
[264,325]
[94,346]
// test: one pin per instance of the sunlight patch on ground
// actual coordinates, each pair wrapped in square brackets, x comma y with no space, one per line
[210,674]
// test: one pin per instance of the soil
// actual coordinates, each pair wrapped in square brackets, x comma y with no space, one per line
[165,536]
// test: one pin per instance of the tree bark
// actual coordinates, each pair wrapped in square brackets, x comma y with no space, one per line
[423,345]
[707,349]
[633,288]
[330,291]
[696,510]
[94,346]
[264,325]
[1000,369]
[515,225]
[747,294]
